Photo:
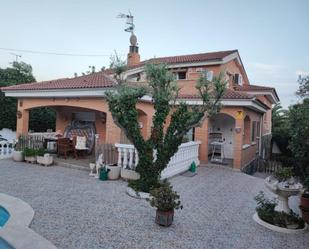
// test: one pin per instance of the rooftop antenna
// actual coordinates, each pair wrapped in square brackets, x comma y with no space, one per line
[129,21]
[16,56]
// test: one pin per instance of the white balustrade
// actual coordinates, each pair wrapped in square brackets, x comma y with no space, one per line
[6,149]
[180,162]
[127,156]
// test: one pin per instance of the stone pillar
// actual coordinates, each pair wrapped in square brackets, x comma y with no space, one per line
[113,132]
[238,142]
[22,124]
[201,134]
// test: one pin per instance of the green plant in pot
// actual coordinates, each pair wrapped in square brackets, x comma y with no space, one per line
[284,174]
[30,154]
[304,200]
[166,200]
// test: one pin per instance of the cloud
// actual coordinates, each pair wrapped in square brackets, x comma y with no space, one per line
[302,73]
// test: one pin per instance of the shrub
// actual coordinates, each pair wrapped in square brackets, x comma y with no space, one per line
[29,152]
[266,211]
[284,174]
[164,198]
[41,151]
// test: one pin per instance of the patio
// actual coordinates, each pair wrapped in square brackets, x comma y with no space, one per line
[73,210]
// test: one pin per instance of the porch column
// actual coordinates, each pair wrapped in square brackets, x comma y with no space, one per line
[22,124]
[201,134]
[113,132]
[238,141]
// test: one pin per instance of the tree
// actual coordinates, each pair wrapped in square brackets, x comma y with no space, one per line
[164,92]
[303,90]
[299,135]
[19,73]
[280,128]
[40,118]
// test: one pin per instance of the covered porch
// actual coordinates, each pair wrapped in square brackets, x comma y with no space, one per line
[231,137]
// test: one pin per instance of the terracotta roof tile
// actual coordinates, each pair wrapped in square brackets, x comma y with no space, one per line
[95,80]
[229,94]
[211,56]
[253,88]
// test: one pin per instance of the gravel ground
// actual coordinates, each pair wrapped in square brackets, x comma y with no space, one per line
[73,210]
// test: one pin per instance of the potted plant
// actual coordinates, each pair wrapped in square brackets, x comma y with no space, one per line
[304,200]
[285,175]
[18,152]
[166,200]
[92,166]
[114,171]
[30,155]
[44,158]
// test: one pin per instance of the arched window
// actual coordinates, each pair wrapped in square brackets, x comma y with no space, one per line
[247,130]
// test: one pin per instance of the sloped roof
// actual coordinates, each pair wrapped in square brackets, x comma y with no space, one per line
[94,80]
[229,94]
[256,88]
[190,58]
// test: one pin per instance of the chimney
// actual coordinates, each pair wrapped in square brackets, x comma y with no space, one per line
[133,55]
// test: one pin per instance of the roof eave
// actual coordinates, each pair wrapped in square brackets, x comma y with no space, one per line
[58,93]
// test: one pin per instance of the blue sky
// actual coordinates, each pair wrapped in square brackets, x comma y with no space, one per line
[271,36]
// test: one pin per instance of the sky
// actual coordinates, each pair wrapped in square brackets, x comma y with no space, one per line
[271,36]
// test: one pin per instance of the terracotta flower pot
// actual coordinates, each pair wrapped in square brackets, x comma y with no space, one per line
[305,213]
[164,218]
[304,201]
[304,207]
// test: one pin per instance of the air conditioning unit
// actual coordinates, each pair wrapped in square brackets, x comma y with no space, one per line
[238,79]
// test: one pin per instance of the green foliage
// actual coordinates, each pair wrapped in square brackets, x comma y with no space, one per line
[266,212]
[41,119]
[163,91]
[164,198]
[299,135]
[306,183]
[303,90]
[284,174]
[280,128]
[29,152]
[19,73]
[41,152]
[118,65]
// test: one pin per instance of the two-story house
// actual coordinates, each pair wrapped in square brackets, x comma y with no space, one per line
[237,134]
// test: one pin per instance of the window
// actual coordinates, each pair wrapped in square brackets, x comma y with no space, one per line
[181,75]
[210,75]
[253,131]
[247,130]
[238,79]
[258,129]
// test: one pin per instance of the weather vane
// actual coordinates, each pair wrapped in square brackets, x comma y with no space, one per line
[129,22]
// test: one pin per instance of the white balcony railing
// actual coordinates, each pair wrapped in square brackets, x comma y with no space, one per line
[6,149]
[180,162]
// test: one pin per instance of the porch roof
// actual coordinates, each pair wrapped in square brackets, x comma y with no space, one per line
[94,80]
[229,94]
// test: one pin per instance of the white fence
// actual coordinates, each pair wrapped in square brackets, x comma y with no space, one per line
[6,149]
[180,162]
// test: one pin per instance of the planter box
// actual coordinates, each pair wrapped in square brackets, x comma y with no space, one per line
[30,159]
[18,156]
[128,174]
[45,160]
[114,172]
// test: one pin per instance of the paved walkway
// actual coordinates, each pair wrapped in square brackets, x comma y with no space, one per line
[75,211]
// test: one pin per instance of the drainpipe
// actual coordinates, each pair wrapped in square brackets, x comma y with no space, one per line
[261,132]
